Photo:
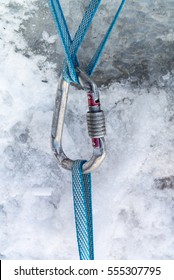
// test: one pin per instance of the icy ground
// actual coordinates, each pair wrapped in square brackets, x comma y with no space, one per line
[133,191]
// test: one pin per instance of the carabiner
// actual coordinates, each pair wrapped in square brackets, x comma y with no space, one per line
[95,120]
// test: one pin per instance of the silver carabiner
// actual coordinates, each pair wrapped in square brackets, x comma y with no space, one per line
[95,119]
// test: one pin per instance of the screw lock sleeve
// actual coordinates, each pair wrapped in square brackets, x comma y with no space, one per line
[96,124]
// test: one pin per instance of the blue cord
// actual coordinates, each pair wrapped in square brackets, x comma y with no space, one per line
[93,63]
[71,46]
[81,183]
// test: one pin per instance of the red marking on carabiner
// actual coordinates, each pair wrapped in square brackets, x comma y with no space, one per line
[94,103]
[91,101]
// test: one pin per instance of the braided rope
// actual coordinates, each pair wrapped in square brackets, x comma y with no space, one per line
[81,183]
[71,46]
[83,210]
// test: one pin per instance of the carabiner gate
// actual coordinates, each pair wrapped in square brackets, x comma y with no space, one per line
[95,121]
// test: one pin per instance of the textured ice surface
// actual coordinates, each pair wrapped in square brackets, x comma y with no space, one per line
[140,48]
[133,197]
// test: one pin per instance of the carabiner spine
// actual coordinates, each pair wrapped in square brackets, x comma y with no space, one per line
[58,123]
[59,110]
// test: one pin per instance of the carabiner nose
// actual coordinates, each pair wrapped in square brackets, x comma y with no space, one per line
[95,120]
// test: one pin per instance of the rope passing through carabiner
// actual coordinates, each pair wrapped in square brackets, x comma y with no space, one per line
[71,46]
[81,182]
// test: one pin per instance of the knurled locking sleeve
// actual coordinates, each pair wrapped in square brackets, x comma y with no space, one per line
[96,124]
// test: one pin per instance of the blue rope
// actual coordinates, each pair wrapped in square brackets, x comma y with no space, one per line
[64,35]
[81,184]
[93,63]
[71,46]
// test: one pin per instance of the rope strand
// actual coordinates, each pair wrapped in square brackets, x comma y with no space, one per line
[81,183]
[71,46]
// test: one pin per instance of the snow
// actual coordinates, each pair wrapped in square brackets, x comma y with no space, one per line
[132,201]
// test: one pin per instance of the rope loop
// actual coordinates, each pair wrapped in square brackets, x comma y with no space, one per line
[71,47]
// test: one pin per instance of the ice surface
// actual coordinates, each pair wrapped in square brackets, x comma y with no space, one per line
[36,209]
